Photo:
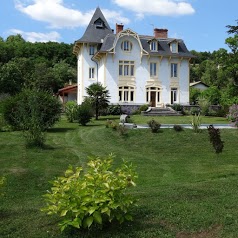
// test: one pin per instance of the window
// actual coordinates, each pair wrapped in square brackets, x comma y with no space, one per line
[91,50]
[126,68]
[174,47]
[126,45]
[174,95]
[91,73]
[153,69]
[153,45]
[153,95]
[126,94]
[174,70]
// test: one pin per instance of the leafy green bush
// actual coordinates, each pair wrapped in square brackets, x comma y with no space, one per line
[215,139]
[196,123]
[71,110]
[94,195]
[142,108]
[33,112]
[178,128]
[154,125]
[111,110]
[232,116]
[194,94]
[177,107]
[84,114]
[122,130]
[204,105]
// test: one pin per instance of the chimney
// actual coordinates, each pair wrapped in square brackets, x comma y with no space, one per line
[119,28]
[160,33]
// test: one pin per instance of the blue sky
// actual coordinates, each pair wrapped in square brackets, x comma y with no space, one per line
[200,23]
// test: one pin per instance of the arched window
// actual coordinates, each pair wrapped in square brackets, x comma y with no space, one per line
[126,94]
[126,45]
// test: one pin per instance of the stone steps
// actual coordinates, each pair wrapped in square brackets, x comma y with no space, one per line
[157,111]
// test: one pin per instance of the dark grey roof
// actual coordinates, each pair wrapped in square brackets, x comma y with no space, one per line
[94,32]
[164,48]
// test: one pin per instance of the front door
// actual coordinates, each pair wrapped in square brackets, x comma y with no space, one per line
[152,98]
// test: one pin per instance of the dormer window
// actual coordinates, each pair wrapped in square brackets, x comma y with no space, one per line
[174,47]
[126,45]
[154,45]
[99,23]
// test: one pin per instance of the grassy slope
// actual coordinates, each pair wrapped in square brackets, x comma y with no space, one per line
[183,188]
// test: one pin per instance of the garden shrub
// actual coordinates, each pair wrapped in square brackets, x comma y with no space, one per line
[177,107]
[178,128]
[215,139]
[71,110]
[32,111]
[84,114]
[154,125]
[111,110]
[232,116]
[122,130]
[196,123]
[204,105]
[142,108]
[94,195]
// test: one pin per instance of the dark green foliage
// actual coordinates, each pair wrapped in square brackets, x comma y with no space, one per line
[154,125]
[33,112]
[177,107]
[194,94]
[178,128]
[215,139]
[94,195]
[98,96]
[112,110]
[84,114]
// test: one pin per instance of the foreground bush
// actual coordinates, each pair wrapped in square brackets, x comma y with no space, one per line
[33,112]
[215,139]
[84,113]
[154,125]
[95,195]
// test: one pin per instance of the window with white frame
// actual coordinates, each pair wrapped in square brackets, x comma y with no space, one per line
[126,94]
[154,45]
[91,49]
[126,45]
[153,69]
[126,68]
[91,73]
[174,70]
[174,47]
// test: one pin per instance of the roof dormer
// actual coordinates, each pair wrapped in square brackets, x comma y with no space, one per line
[173,46]
[99,23]
[153,45]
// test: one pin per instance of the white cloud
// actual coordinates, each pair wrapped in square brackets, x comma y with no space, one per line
[157,7]
[57,15]
[114,17]
[37,36]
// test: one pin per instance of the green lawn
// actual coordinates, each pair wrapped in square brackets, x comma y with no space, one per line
[184,189]
[138,119]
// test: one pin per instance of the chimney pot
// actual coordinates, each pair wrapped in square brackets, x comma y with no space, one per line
[160,33]
[119,28]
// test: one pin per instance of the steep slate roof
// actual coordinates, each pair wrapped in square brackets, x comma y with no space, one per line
[94,34]
[105,37]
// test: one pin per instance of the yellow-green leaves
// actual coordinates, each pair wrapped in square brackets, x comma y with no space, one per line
[94,195]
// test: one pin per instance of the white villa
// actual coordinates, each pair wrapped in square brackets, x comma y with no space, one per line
[136,69]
